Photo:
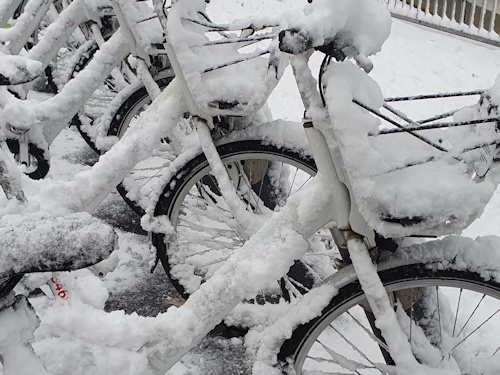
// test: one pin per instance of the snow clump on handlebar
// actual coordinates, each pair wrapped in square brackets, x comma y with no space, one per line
[363,24]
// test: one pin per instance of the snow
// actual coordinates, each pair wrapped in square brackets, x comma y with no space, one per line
[382,187]
[366,31]
[19,69]
[76,336]
[210,85]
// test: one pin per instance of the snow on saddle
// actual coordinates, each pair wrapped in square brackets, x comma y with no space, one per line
[41,243]
[16,70]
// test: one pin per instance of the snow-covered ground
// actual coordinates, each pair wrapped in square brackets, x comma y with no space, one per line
[414,60]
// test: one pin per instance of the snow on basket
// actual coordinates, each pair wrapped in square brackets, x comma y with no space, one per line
[229,69]
[431,176]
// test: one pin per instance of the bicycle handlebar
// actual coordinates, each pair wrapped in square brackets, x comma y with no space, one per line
[296,41]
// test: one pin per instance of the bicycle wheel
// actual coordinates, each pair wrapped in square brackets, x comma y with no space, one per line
[87,120]
[39,165]
[206,232]
[128,111]
[452,323]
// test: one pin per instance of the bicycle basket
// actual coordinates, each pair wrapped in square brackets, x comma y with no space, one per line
[431,176]
[228,69]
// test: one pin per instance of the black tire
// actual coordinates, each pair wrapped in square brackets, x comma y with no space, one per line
[297,348]
[100,98]
[39,164]
[130,109]
[194,176]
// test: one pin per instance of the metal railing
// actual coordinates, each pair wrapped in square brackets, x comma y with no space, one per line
[476,19]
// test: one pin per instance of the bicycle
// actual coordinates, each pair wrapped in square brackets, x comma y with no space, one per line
[298,347]
[34,148]
[266,152]
[98,124]
[274,247]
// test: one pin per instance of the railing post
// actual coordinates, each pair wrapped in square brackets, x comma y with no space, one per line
[467,18]
[493,16]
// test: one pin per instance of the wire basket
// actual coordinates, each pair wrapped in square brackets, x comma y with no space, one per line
[435,172]
[229,69]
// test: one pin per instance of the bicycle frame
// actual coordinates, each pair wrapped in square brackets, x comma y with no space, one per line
[7,10]
[25,26]
[298,219]
[55,113]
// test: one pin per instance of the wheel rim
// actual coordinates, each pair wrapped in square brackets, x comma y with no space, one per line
[460,317]
[206,234]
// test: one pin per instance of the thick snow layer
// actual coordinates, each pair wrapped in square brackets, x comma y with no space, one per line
[326,20]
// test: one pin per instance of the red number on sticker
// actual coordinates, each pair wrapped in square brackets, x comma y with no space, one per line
[62,294]
[59,288]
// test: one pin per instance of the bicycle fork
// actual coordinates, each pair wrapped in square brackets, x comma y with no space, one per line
[358,249]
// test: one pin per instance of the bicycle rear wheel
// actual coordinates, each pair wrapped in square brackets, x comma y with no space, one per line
[206,232]
[450,317]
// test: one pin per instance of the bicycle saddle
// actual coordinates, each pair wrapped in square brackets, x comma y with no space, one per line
[16,70]
[41,243]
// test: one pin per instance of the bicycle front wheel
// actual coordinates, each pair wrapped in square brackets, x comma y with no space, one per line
[450,318]
[206,232]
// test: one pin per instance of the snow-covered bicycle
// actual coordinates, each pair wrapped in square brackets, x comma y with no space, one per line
[31,147]
[435,302]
